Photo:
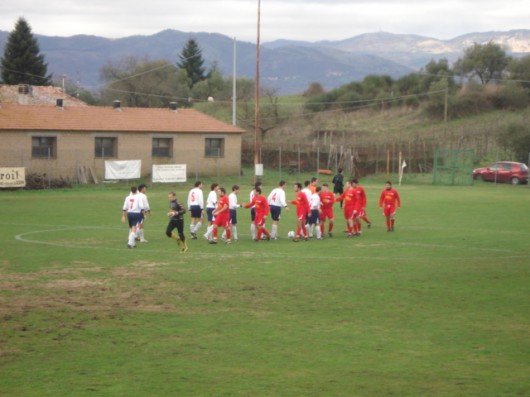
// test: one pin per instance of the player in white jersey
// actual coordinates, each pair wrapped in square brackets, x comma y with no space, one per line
[211,204]
[233,206]
[314,218]
[133,207]
[196,207]
[276,200]
[142,190]
[308,193]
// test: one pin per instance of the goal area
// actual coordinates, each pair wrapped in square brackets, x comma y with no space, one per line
[453,167]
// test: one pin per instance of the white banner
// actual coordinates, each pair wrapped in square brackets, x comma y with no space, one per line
[128,169]
[12,177]
[167,173]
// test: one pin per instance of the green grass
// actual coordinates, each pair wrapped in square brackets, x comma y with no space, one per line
[438,308]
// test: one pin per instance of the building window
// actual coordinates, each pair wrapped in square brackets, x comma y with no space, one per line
[43,146]
[105,147]
[162,147]
[214,147]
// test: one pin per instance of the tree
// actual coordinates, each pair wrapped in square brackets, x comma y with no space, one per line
[520,70]
[142,83]
[192,62]
[22,63]
[487,61]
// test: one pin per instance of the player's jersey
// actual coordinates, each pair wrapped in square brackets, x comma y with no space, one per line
[145,202]
[327,199]
[222,205]
[360,197]
[389,197]
[348,197]
[314,203]
[277,198]
[133,204]
[260,205]
[232,201]
[308,193]
[211,200]
[178,209]
[301,202]
[195,197]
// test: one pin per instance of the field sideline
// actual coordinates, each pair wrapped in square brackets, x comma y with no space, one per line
[438,308]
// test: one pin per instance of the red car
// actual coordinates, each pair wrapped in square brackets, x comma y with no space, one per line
[503,171]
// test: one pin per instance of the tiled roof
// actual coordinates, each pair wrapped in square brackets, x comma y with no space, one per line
[108,119]
[37,95]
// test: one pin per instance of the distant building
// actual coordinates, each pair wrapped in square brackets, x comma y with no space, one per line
[24,94]
[58,139]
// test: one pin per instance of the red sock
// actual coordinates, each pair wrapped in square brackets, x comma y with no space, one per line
[330,227]
[228,234]
[214,233]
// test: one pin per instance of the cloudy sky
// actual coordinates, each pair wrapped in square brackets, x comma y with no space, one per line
[308,20]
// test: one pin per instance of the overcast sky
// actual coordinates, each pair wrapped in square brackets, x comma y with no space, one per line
[308,20]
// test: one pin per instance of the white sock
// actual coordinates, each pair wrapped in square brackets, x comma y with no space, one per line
[274,231]
[234,232]
[132,236]
[253,231]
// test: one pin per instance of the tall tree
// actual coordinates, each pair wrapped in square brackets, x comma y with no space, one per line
[22,63]
[192,62]
[487,61]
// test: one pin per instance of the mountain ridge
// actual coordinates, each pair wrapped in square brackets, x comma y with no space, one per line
[288,66]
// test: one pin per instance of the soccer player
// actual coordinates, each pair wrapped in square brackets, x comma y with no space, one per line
[176,221]
[348,197]
[222,217]
[233,206]
[389,201]
[338,184]
[327,199]
[196,207]
[313,185]
[314,216]
[253,211]
[133,207]
[276,200]
[142,190]
[359,208]
[261,206]
[211,203]
[302,210]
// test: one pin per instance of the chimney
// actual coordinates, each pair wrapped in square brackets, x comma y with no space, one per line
[116,105]
[59,103]
[173,106]
[24,91]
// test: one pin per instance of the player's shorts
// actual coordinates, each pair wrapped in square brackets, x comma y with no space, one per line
[348,212]
[275,212]
[314,218]
[359,212]
[326,213]
[209,214]
[233,217]
[302,216]
[389,210]
[134,218]
[260,219]
[196,211]
[222,220]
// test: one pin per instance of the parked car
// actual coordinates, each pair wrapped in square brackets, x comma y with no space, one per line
[503,171]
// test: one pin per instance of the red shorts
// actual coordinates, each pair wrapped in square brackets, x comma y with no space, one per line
[326,213]
[222,220]
[359,212]
[260,219]
[302,216]
[348,212]
[389,210]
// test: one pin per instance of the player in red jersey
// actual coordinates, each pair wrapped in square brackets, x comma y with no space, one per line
[359,209]
[327,199]
[348,199]
[389,201]
[302,210]
[222,217]
[261,206]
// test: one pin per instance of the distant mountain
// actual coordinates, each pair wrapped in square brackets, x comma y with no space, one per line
[289,66]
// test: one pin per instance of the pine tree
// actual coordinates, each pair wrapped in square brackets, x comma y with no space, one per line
[191,60]
[22,63]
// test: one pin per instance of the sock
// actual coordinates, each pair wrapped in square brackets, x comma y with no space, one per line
[228,234]
[319,233]
[274,231]
[215,233]
[253,231]
[330,227]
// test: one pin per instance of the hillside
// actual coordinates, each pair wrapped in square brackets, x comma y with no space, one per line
[288,66]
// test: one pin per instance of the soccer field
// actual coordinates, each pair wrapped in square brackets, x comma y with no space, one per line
[440,307]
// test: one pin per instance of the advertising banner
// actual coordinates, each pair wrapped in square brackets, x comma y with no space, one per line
[12,177]
[167,173]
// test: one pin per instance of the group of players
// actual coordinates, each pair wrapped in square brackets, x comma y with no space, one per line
[314,211]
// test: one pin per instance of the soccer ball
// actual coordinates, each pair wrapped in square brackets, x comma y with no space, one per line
[291,234]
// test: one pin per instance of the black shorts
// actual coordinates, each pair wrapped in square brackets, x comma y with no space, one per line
[275,212]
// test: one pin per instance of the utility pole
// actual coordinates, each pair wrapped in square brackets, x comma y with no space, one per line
[256,109]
